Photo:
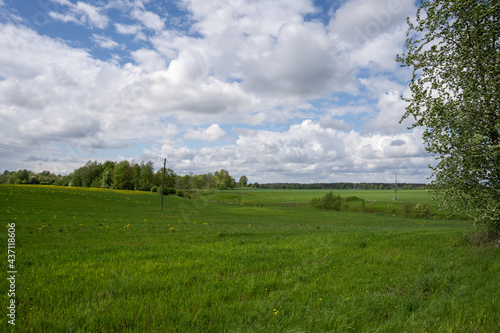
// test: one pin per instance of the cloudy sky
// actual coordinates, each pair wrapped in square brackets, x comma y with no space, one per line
[277,90]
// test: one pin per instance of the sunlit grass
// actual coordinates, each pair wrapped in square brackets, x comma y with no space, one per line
[95,260]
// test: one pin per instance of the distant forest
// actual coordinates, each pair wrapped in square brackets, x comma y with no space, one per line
[142,177]
[346,186]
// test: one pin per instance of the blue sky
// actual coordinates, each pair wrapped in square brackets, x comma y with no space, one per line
[282,90]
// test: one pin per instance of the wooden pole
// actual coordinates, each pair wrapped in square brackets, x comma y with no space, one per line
[163,182]
[396,187]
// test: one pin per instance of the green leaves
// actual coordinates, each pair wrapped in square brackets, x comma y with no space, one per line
[453,48]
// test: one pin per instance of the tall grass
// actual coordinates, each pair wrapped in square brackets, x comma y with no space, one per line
[92,260]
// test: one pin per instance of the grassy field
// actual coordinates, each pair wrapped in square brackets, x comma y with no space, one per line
[375,201]
[272,197]
[92,260]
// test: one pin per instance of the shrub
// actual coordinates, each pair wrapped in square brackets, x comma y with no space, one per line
[329,201]
[422,210]
[179,193]
[154,188]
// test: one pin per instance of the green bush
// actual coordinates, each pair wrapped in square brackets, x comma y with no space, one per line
[179,193]
[166,190]
[422,210]
[329,201]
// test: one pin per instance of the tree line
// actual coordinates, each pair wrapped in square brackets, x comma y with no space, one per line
[344,186]
[142,177]
[127,176]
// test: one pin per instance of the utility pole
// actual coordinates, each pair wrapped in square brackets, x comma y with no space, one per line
[163,181]
[395,187]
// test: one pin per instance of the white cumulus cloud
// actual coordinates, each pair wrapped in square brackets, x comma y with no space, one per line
[213,133]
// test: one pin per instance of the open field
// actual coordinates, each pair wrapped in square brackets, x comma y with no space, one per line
[375,201]
[276,197]
[92,260]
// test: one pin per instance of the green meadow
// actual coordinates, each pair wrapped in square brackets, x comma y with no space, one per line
[94,260]
[372,201]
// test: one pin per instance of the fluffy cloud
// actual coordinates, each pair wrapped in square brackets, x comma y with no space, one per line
[81,13]
[391,109]
[29,54]
[357,22]
[336,124]
[148,19]
[213,133]
[149,60]
[303,62]
[306,152]
[104,41]
[371,32]
[127,29]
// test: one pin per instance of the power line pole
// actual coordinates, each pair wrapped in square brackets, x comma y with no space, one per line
[163,181]
[395,187]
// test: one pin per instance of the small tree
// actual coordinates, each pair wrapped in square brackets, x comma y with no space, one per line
[243,181]
[453,49]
